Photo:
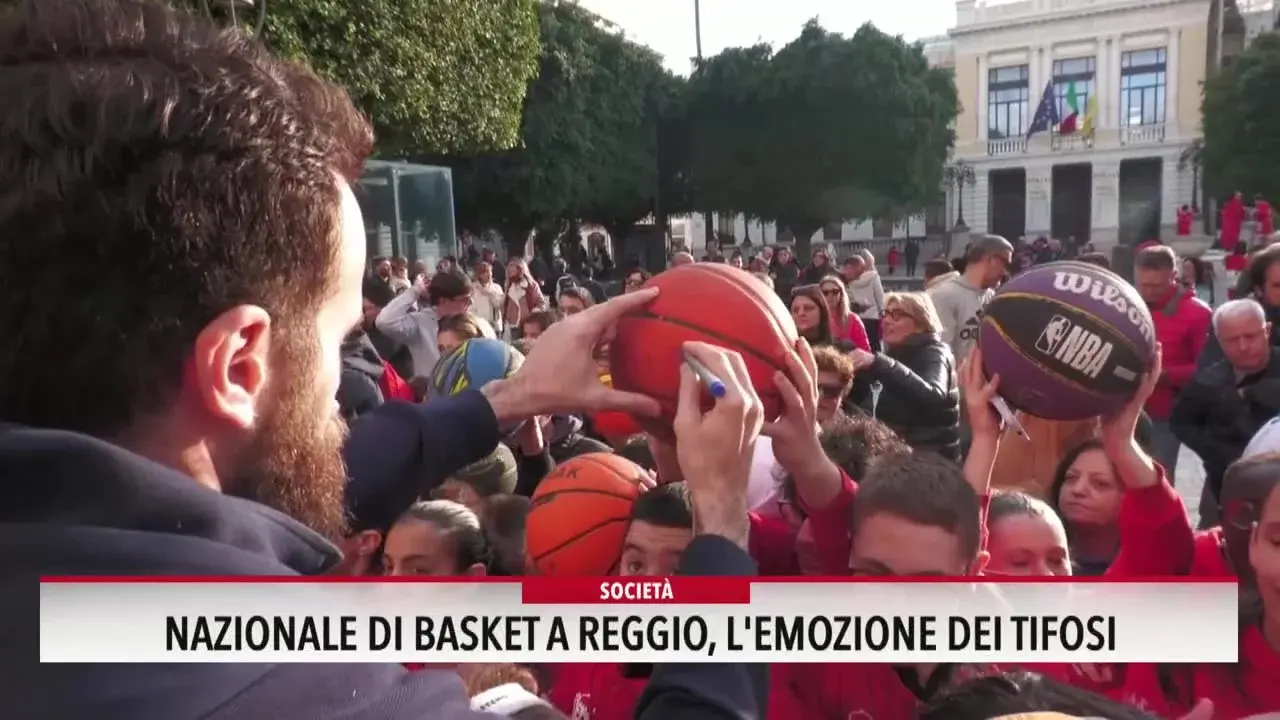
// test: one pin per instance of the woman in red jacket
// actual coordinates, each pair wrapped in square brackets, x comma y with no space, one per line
[1251,686]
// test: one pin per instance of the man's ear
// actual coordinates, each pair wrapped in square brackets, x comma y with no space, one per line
[230,364]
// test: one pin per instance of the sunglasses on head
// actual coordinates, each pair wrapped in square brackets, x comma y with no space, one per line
[802,289]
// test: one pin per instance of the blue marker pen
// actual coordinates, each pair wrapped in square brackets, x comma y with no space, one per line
[714,384]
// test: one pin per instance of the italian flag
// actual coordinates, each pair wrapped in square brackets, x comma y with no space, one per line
[1071,114]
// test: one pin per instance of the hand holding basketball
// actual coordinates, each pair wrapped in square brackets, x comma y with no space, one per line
[795,433]
[978,392]
[1118,428]
[715,448]
[561,375]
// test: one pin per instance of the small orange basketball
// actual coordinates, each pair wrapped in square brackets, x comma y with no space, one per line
[580,514]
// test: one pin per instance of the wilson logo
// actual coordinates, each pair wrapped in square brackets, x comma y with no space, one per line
[1074,346]
[1108,294]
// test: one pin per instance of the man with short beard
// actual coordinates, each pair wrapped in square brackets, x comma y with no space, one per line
[196,238]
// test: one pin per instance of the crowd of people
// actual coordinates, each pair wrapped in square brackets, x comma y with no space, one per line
[188,386]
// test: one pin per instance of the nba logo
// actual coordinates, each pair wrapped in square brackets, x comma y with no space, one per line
[1053,335]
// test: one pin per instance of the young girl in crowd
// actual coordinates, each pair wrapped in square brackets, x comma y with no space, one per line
[437,538]
[847,330]
[813,320]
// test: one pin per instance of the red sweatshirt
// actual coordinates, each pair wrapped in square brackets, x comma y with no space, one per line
[1250,687]
[839,691]
[1182,326]
[595,691]
[830,529]
[1155,534]
[772,544]
[1209,559]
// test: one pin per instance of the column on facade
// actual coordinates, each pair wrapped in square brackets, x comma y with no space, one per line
[1174,193]
[1034,81]
[1106,202]
[1111,116]
[977,208]
[981,100]
[1103,71]
[1171,79]
[1039,218]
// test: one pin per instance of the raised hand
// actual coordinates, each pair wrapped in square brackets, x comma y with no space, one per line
[714,448]
[796,446]
[560,373]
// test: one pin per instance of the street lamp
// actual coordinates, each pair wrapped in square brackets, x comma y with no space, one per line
[235,8]
[958,175]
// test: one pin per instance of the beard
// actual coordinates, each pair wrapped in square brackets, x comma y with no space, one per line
[293,463]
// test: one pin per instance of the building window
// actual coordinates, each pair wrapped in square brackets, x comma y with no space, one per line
[1069,74]
[1142,87]
[1008,100]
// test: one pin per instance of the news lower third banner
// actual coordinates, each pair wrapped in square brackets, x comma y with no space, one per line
[239,620]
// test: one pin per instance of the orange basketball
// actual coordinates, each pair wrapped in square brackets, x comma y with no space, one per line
[579,515]
[710,303]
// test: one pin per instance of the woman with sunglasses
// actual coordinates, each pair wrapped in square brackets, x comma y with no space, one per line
[920,397]
[847,330]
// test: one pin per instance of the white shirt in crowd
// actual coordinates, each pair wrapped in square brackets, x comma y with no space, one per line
[868,290]
[488,302]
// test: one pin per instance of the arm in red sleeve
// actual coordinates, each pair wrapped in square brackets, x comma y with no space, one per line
[772,544]
[1199,319]
[1155,533]
[830,528]
[858,333]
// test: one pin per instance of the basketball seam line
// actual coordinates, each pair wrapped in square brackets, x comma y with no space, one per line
[548,496]
[1075,308]
[730,343]
[581,535]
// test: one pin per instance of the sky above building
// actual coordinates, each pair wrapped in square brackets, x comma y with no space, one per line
[667,26]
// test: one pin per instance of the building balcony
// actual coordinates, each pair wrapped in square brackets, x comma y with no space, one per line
[1072,142]
[1006,146]
[1142,134]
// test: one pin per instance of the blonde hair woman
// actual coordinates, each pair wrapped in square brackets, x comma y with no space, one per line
[847,330]
[919,396]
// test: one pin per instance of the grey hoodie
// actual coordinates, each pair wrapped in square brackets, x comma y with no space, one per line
[959,304]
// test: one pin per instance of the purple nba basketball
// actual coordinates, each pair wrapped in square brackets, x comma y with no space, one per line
[1069,340]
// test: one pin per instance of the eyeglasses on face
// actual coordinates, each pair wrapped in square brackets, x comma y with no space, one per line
[898,314]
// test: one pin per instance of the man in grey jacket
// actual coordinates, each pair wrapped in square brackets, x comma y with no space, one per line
[208,254]
[960,300]
[413,317]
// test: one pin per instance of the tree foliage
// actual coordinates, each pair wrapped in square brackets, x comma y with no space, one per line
[435,76]
[828,129]
[1241,136]
[589,147]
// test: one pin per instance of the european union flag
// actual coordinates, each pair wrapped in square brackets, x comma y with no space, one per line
[1046,114]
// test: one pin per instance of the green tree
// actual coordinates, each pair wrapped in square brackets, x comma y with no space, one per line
[435,76]
[828,129]
[1241,137]
[589,149]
